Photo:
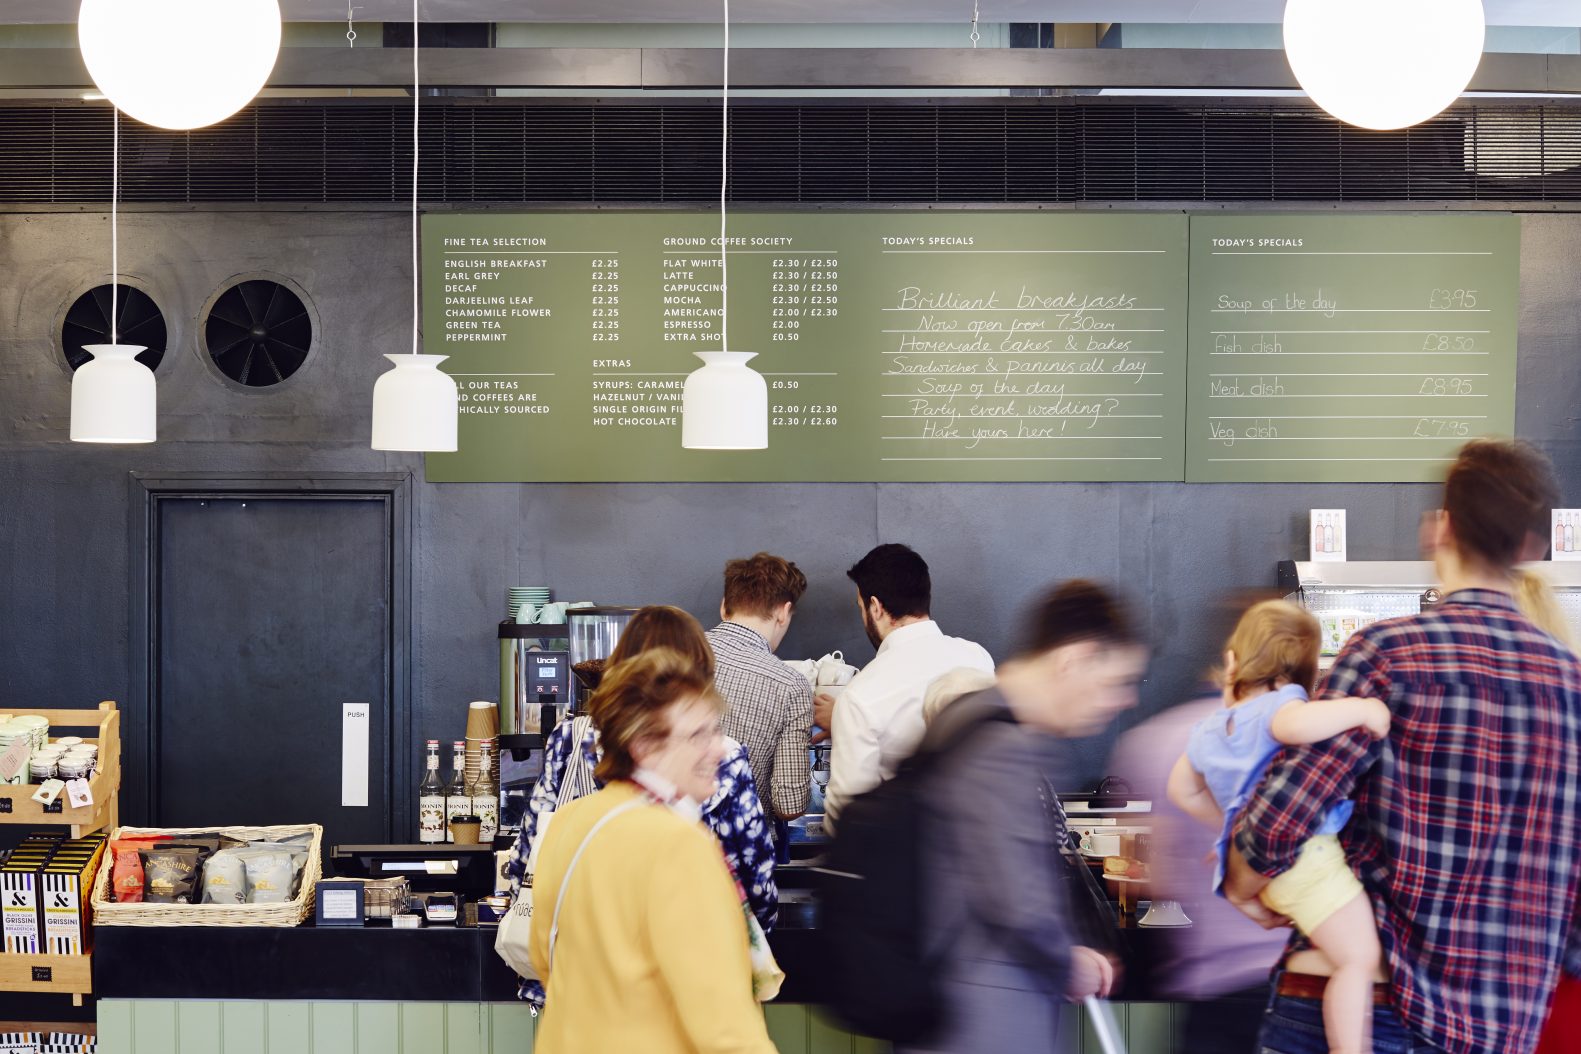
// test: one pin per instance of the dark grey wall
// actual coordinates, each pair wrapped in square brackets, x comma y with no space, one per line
[64,508]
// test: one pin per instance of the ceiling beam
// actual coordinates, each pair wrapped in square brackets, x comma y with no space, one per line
[674,69]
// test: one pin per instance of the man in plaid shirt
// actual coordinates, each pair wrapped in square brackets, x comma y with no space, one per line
[770,703]
[1467,832]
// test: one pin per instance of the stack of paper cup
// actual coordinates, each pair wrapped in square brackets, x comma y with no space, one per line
[483,722]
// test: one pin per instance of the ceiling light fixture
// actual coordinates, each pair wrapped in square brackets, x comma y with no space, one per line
[725,405]
[179,63]
[415,405]
[113,396]
[1384,63]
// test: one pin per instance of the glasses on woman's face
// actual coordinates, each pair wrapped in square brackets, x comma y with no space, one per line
[698,739]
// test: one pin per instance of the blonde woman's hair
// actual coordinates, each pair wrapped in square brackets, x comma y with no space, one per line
[1538,603]
[1274,641]
[632,701]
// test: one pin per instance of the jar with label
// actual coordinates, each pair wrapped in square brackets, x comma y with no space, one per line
[71,768]
[41,769]
[37,727]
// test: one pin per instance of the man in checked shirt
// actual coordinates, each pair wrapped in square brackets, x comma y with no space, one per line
[770,703]
[1467,829]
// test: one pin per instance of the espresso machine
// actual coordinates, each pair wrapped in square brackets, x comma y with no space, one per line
[535,693]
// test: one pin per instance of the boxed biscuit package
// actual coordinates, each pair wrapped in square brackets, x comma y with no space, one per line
[65,887]
[19,900]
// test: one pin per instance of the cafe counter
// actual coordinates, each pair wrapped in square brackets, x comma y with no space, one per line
[439,989]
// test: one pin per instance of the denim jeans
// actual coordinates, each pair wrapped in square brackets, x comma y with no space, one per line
[1295,1026]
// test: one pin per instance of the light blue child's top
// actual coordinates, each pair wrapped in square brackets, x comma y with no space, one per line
[1232,748]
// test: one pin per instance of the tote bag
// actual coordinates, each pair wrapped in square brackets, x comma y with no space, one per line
[511,941]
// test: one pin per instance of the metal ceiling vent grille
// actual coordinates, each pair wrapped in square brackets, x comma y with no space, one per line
[258,333]
[139,319]
[1022,150]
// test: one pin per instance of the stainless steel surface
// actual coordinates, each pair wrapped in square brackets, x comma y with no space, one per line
[1414,575]
[1231,69]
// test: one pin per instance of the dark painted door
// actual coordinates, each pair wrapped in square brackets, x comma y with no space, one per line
[270,613]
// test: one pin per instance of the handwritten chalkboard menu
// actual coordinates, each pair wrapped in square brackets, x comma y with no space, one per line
[896,345]
[1348,348]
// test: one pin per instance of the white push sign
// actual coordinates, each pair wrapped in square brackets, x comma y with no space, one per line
[355,720]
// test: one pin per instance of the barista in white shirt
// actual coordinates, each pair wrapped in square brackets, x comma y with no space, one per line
[878,720]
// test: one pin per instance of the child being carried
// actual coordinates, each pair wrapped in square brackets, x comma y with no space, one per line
[1270,664]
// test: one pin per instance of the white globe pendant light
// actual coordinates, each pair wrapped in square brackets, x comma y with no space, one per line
[725,405]
[415,406]
[114,398]
[1384,63]
[179,63]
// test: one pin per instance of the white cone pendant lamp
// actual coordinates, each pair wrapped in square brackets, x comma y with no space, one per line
[1384,63]
[415,406]
[725,405]
[179,63]
[113,396]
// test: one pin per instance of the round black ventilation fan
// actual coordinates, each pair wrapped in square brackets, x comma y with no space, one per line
[258,333]
[88,322]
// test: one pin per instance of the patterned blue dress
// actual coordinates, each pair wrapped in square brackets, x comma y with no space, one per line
[734,814]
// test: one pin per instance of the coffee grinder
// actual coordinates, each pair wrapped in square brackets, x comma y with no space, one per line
[593,632]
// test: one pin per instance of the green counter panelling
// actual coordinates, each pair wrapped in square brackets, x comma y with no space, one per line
[896,345]
[207,1027]
[1334,349]
[966,345]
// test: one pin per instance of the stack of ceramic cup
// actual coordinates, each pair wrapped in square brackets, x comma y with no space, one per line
[531,597]
[483,722]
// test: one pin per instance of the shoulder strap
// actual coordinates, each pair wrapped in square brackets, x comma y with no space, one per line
[577,781]
[565,883]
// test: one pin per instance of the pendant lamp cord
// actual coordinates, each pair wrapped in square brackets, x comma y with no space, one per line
[115,236]
[724,183]
[416,108]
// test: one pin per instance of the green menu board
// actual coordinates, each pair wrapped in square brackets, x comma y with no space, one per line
[896,345]
[1348,348]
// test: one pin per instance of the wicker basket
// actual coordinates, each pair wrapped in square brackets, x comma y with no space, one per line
[107,912]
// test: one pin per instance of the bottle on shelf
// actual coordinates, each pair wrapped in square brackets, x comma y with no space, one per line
[458,800]
[431,800]
[486,794]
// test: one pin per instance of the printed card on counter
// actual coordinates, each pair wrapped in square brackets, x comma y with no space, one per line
[1328,535]
[13,760]
[1566,539]
[78,794]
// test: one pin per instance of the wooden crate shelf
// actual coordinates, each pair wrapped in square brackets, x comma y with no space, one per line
[59,974]
[66,974]
[16,802]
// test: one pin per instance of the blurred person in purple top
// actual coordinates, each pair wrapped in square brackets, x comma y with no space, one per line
[1221,962]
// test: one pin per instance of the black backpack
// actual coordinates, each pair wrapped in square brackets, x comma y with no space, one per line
[873,911]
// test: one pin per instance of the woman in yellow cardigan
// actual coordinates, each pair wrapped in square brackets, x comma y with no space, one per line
[651,949]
